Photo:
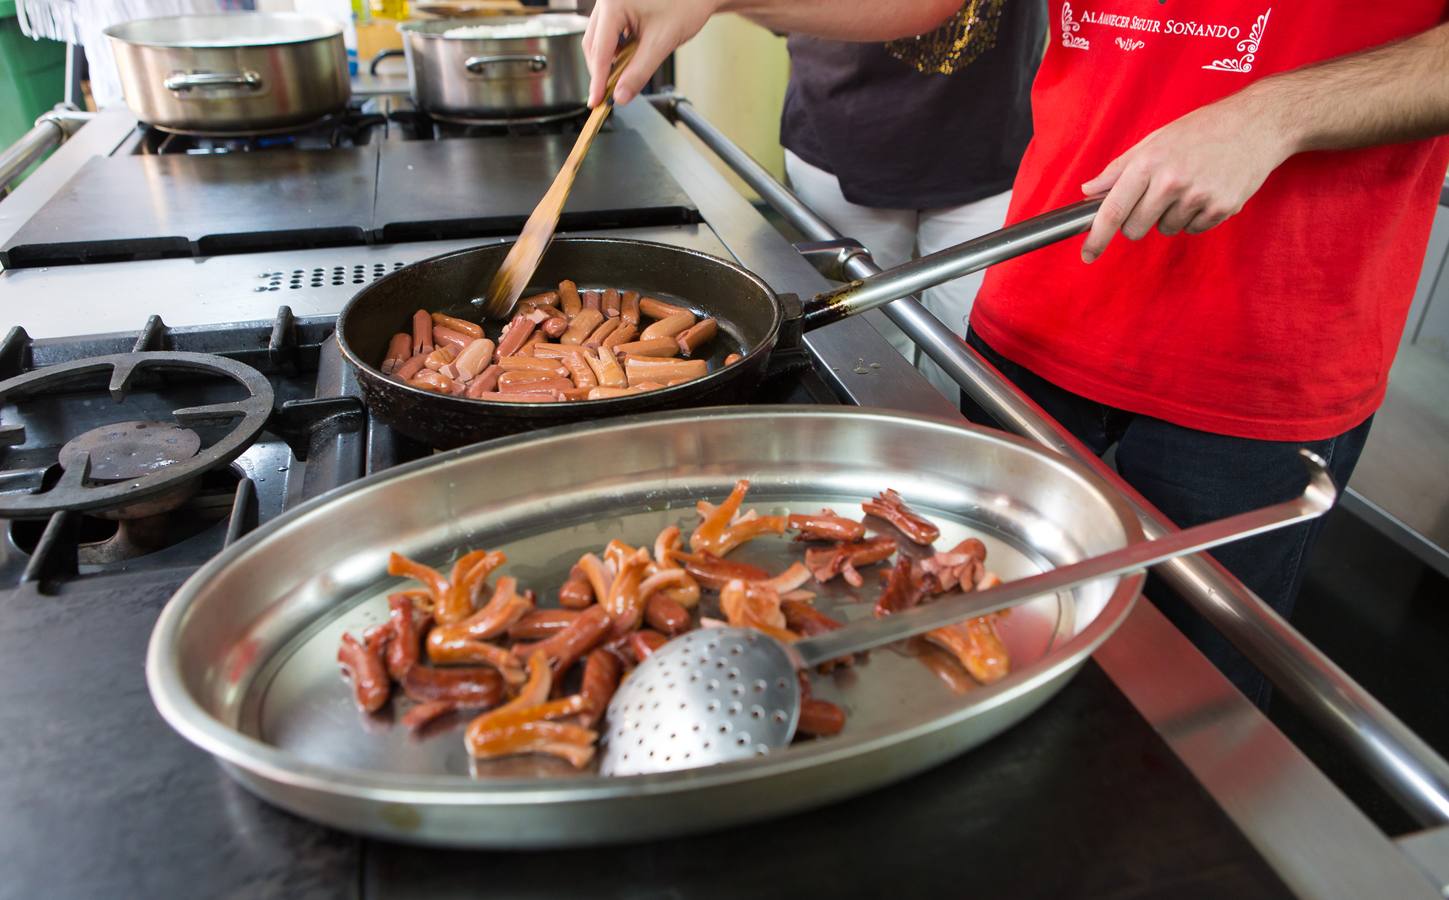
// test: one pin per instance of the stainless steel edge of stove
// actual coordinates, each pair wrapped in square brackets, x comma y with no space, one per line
[1430,850]
[242,287]
[98,137]
[1291,830]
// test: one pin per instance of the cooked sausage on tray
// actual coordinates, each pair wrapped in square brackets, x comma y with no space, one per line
[538,680]
[593,344]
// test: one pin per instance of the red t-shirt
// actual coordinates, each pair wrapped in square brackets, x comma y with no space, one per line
[1282,322]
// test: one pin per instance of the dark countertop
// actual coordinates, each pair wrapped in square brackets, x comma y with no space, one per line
[100,799]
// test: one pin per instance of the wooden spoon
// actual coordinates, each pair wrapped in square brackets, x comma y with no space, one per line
[522,260]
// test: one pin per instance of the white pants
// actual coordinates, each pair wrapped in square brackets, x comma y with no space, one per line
[894,236]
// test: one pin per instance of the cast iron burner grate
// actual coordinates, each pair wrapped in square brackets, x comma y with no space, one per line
[147,451]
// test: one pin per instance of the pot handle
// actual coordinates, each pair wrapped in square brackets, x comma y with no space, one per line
[535,62]
[391,53]
[951,263]
[182,81]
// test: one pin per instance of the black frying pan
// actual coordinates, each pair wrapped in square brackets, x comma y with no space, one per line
[750,318]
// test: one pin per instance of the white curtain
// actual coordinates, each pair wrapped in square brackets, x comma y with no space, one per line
[83,22]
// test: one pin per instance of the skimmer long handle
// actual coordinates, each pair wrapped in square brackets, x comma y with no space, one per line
[1316,499]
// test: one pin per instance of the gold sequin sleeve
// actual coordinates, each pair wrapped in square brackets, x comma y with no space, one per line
[956,43]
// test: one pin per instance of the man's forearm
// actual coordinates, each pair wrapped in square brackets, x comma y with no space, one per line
[1398,92]
[846,20]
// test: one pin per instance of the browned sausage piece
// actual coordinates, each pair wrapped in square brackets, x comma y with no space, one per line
[602,671]
[610,302]
[607,393]
[514,336]
[547,298]
[412,367]
[696,336]
[579,370]
[569,299]
[523,396]
[582,635]
[606,328]
[462,326]
[552,367]
[441,356]
[398,351]
[370,686]
[670,327]
[541,623]
[642,643]
[629,308]
[520,378]
[545,383]
[447,336]
[591,300]
[658,309]
[402,648]
[624,334]
[666,615]
[436,382]
[474,686]
[485,382]
[606,369]
[424,714]
[582,326]
[474,359]
[555,327]
[732,359]
[422,332]
[657,347]
[644,368]
[820,718]
[576,593]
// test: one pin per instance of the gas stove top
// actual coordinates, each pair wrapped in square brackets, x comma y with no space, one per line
[151,451]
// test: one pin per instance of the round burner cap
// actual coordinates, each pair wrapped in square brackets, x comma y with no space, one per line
[132,449]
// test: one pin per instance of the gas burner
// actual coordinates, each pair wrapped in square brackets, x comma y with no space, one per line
[419,125]
[126,451]
[133,469]
[567,115]
[352,128]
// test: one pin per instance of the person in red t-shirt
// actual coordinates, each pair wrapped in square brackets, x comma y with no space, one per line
[1298,146]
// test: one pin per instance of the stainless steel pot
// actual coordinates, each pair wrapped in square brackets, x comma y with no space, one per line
[231,73]
[472,69]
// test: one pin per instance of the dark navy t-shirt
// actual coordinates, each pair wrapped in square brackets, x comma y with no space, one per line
[900,138]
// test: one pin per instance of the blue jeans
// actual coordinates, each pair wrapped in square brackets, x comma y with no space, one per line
[1193,477]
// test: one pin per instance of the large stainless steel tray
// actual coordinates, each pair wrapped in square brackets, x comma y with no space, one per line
[242,660]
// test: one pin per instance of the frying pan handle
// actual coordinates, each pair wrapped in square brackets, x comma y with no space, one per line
[951,263]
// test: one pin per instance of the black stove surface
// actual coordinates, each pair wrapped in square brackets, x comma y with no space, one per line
[380,172]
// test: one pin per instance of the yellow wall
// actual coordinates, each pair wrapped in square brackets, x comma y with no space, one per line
[735,73]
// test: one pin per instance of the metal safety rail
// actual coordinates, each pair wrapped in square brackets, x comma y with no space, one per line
[1397,758]
[50,131]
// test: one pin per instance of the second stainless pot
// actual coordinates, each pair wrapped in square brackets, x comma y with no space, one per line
[231,73]
[502,67]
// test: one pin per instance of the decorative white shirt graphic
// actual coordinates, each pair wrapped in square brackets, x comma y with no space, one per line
[1138,31]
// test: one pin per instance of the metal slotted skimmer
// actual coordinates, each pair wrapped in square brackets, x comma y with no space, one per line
[723,694]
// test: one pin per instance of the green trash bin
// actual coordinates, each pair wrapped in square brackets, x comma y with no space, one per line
[32,76]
